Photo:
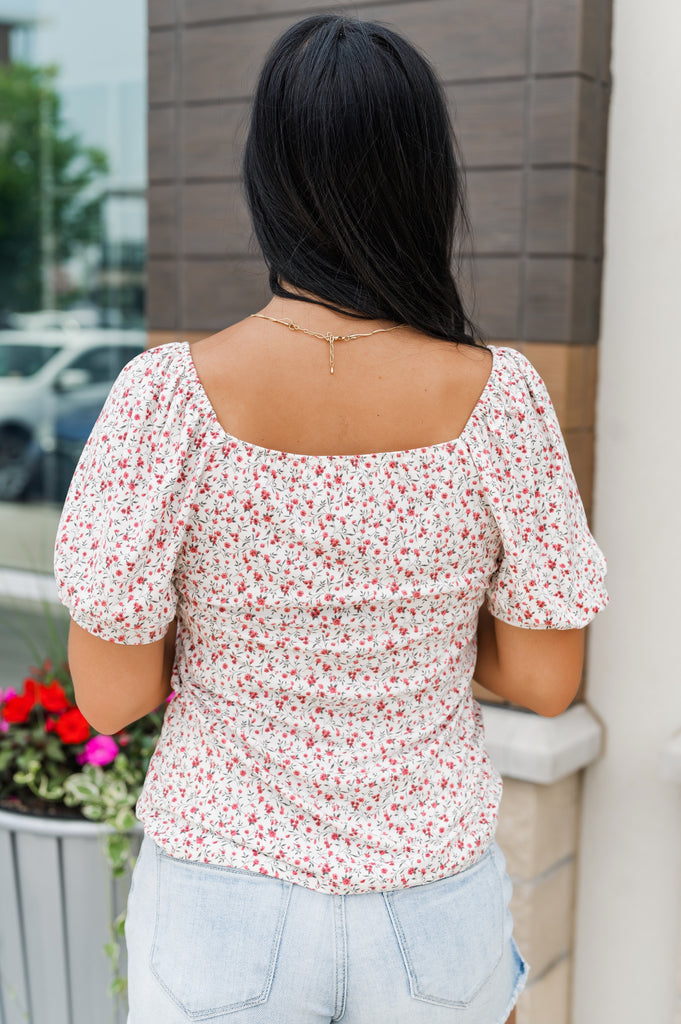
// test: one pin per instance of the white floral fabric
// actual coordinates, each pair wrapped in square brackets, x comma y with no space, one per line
[323,729]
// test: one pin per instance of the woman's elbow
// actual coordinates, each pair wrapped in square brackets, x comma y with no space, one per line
[543,667]
[109,720]
[551,696]
[116,684]
[550,708]
[103,722]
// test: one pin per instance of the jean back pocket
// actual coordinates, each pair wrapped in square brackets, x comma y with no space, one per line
[217,935]
[451,932]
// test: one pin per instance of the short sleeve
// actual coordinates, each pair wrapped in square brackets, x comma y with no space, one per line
[550,573]
[123,520]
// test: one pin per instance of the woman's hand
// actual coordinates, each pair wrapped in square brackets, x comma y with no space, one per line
[115,684]
[539,669]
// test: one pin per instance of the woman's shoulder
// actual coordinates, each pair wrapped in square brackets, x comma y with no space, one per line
[514,386]
[519,367]
[154,399]
[154,380]
[511,366]
[515,414]
[156,367]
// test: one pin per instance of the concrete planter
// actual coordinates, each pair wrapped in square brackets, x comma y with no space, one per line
[57,901]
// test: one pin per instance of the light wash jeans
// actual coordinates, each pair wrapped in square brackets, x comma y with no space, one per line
[229,946]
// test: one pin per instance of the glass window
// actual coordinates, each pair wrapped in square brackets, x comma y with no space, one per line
[72,244]
[24,360]
[103,364]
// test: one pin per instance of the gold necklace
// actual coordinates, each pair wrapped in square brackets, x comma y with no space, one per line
[331,338]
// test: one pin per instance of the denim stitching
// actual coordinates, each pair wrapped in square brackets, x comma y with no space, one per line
[277,941]
[490,853]
[340,957]
[249,872]
[200,1015]
[401,938]
[157,887]
[401,941]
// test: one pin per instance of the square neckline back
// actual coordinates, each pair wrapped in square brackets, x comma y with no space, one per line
[226,437]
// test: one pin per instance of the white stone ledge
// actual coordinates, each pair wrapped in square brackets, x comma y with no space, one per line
[670,760]
[525,746]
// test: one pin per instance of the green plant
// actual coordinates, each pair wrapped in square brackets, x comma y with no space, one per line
[53,762]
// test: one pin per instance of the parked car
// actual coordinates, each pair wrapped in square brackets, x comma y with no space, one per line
[45,376]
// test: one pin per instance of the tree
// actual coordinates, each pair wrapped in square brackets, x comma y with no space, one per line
[48,206]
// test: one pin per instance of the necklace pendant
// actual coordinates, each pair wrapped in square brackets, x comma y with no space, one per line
[325,337]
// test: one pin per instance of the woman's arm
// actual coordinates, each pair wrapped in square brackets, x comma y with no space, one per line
[115,684]
[539,669]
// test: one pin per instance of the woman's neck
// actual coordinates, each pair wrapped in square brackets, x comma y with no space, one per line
[309,312]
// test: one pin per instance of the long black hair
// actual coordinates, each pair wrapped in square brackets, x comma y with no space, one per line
[352,179]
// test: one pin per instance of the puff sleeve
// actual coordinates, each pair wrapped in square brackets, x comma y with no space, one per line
[123,521]
[550,571]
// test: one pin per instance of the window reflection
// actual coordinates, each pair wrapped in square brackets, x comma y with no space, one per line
[19,359]
[72,231]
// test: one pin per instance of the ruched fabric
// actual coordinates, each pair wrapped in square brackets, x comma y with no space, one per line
[550,571]
[323,729]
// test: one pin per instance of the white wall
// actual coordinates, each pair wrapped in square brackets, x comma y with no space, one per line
[629,898]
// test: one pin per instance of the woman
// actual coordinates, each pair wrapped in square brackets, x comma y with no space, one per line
[314,527]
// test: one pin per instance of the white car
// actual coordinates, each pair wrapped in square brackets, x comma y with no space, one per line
[44,376]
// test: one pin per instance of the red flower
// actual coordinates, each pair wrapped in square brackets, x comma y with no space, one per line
[53,697]
[30,686]
[17,709]
[72,727]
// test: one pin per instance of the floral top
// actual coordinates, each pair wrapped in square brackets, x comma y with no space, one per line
[323,729]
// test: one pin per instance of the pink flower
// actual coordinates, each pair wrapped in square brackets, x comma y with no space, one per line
[99,750]
[5,695]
